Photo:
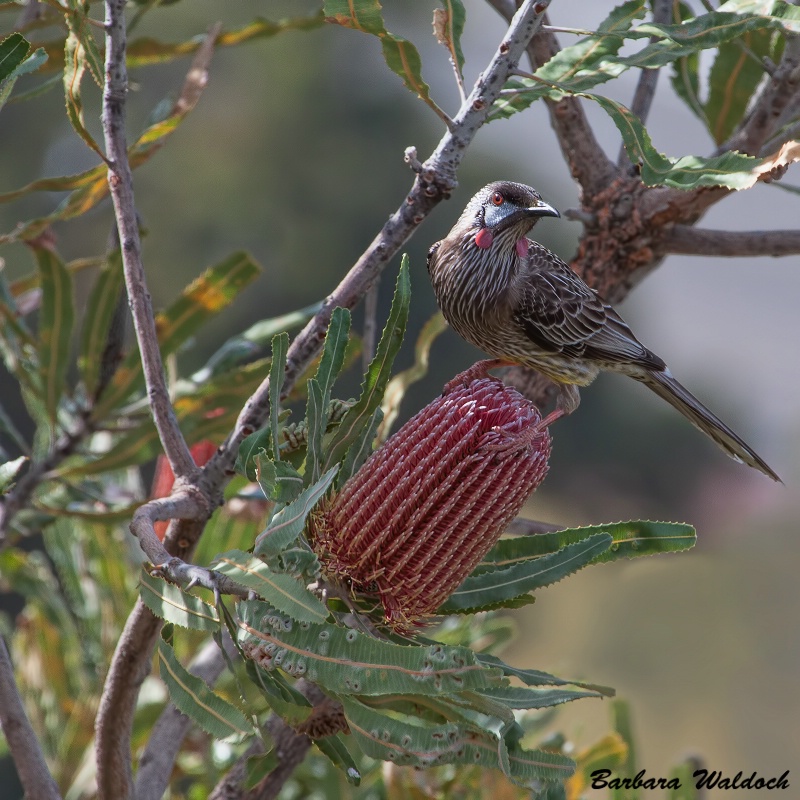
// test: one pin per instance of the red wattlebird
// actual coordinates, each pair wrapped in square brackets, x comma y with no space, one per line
[522,304]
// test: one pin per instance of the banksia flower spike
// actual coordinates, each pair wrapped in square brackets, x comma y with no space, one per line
[424,509]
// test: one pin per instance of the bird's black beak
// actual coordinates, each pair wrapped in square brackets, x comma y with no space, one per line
[541,209]
[529,215]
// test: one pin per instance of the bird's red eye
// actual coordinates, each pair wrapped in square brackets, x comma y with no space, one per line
[498,199]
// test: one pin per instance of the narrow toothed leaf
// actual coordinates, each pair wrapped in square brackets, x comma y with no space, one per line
[489,589]
[535,677]
[400,55]
[415,742]
[289,522]
[215,715]
[361,415]
[172,604]
[518,697]
[630,540]
[319,389]
[344,661]
[281,591]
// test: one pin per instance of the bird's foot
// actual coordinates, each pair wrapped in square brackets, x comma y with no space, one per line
[554,415]
[476,372]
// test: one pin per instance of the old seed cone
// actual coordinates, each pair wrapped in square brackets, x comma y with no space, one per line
[424,509]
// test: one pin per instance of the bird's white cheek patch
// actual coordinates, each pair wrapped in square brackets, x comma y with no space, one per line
[484,239]
[522,247]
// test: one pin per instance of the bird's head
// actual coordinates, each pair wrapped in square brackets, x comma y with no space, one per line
[502,213]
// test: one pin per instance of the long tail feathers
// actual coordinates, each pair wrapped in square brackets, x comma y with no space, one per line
[665,386]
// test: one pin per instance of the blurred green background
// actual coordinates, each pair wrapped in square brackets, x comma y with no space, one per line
[295,153]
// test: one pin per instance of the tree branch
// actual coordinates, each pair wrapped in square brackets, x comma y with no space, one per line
[130,665]
[22,742]
[167,735]
[687,240]
[120,183]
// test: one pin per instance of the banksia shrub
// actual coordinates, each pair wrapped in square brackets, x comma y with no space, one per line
[424,509]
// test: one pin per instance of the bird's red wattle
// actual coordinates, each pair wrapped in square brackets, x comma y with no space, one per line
[484,238]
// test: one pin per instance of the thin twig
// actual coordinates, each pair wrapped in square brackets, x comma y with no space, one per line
[22,742]
[648,79]
[121,186]
[167,735]
[687,240]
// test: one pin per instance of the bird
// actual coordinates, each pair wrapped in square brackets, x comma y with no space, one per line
[521,304]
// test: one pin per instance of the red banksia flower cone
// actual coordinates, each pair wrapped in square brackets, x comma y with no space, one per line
[424,509]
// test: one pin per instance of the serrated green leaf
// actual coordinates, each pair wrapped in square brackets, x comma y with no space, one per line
[78,22]
[280,482]
[630,540]
[30,64]
[535,677]
[416,742]
[700,33]
[55,326]
[519,697]
[192,697]
[361,415]
[97,318]
[344,661]
[204,298]
[734,76]
[251,446]
[289,522]
[171,603]
[732,169]
[281,591]
[360,15]
[319,389]
[492,587]
[277,375]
